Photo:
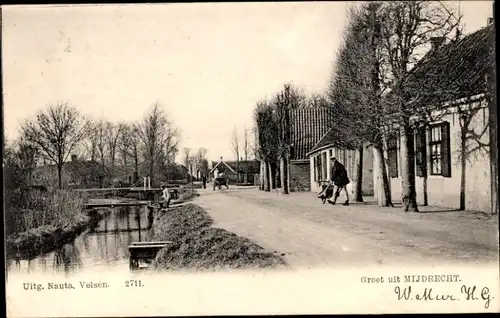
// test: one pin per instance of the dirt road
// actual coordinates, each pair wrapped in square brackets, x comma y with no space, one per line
[310,234]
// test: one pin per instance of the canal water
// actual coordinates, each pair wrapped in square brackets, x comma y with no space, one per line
[104,247]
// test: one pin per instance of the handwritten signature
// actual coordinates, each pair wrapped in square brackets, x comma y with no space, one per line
[429,295]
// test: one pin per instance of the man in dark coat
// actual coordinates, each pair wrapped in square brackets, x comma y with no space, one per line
[339,178]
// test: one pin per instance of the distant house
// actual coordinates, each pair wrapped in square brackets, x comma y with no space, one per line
[454,164]
[76,173]
[223,167]
[246,170]
[243,171]
[84,173]
[308,126]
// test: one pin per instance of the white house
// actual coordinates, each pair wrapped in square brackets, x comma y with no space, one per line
[454,165]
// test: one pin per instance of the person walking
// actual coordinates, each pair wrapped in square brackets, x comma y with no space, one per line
[165,196]
[340,180]
[204,178]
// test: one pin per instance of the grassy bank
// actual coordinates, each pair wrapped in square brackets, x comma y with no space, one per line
[197,245]
[47,237]
[51,219]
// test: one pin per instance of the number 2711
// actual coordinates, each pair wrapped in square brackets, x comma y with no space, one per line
[133,283]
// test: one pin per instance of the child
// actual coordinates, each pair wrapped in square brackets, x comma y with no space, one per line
[166,196]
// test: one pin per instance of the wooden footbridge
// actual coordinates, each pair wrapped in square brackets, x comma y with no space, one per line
[146,194]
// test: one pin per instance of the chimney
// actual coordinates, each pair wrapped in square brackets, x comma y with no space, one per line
[436,42]
[73,158]
[220,158]
[492,19]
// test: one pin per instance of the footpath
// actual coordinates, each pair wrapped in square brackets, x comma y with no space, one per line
[309,233]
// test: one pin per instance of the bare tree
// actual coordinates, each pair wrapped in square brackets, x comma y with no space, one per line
[90,140]
[317,100]
[266,140]
[155,131]
[55,132]
[112,133]
[407,29]
[287,99]
[356,91]
[199,159]
[135,147]
[172,143]
[187,161]
[246,144]
[124,142]
[100,130]
[235,146]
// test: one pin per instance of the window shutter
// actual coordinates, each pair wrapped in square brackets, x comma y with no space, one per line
[421,152]
[392,153]
[445,150]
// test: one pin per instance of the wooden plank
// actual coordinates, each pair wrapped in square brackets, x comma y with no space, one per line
[145,247]
[140,189]
[150,243]
[106,204]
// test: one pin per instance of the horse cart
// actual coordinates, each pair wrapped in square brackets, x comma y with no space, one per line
[220,181]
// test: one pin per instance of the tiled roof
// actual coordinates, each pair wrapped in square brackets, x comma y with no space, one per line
[335,137]
[308,125]
[252,166]
[455,70]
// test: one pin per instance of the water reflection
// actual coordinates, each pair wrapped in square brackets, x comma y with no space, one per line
[104,246]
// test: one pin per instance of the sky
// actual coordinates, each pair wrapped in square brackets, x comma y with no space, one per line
[206,64]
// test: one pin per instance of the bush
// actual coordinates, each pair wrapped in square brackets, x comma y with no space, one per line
[60,209]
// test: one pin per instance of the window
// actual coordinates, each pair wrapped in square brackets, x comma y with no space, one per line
[439,146]
[435,145]
[392,156]
[318,167]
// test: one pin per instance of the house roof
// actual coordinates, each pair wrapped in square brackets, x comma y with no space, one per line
[335,137]
[453,71]
[308,125]
[225,164]
[245,165]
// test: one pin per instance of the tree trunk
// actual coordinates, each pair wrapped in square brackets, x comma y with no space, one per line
[151,170]
[284,174]
[136,168]
[272,180]
[103,179]
[426,197]
[277,175]
[384,197]
[237,169]
[59,175]
[262,176]
[267,179]
[493,136]
[463,162]
[358,191]
[408,190]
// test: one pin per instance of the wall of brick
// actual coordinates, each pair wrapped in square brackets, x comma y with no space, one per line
[299,176]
